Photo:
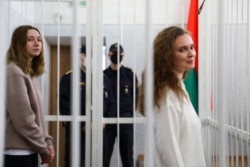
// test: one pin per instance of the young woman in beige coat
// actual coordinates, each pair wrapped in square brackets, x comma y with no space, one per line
[26,136]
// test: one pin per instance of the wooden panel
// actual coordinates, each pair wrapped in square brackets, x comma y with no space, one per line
[64,67]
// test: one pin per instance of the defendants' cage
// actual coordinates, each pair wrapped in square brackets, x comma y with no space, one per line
[224,42]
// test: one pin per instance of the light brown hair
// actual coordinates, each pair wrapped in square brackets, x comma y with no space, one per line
[164,76]
[17,52]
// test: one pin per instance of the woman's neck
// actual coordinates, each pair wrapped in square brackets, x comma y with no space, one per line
[179,74]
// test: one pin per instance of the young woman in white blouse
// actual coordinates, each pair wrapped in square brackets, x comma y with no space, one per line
[177,128]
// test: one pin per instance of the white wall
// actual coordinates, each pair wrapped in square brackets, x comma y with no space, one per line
[123,21]
[116,12]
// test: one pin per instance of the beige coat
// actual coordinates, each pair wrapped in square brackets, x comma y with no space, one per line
[25,124]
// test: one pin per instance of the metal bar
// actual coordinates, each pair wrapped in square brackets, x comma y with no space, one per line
[88,83]
[58,80]
[232,130]
[3,49]
[75,96]
[149,148]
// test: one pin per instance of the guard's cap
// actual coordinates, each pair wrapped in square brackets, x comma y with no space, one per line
[114,47]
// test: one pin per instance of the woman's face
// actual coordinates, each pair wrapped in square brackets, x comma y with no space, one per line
[33,43]
[184,54]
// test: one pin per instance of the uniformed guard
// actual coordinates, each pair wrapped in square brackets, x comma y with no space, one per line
[126,108]
[65,108]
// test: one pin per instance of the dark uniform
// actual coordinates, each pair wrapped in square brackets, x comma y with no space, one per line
[65,109]
[126,110]
[109,103]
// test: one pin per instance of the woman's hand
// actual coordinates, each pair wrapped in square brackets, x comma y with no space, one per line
[48,158]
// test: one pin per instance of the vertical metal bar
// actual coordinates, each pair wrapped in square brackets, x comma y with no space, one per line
[120,41]
[228,86]
[231,114]
[233,12]
[88,83]
[214,117]
[94,84]
[134,83]
[205,94]
[183,21]
[167,13]
[58,82]
[149,148]
[220,79]
[242,87]
[25,12]
[3,49]
[97,84]
[248,81]
[211,19]
[75,43]
[99,45]
[237,83]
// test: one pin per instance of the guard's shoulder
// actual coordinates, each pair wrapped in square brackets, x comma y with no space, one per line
[105,77]
[68,72]
[66,76]
[129,70]
[105,71]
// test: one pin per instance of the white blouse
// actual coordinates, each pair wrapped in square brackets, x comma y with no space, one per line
[178,140]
